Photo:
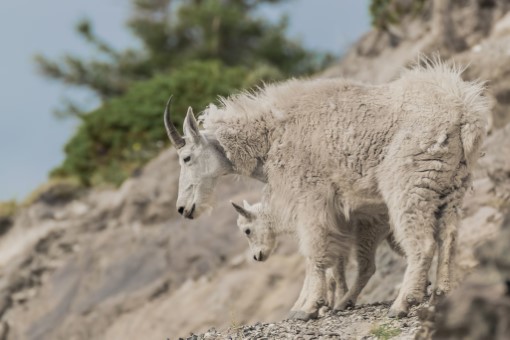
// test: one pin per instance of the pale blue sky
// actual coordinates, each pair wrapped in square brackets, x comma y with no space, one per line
[31,139]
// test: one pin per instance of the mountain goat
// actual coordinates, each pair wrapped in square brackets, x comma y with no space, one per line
[333,149]
[262,227]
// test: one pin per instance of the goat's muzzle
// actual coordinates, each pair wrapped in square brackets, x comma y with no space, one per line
[189,214]
[186,213]
[258,257]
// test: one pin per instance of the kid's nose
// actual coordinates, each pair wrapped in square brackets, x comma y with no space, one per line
[259,257]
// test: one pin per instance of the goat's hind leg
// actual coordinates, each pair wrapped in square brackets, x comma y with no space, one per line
[369,235]
[414,222]
[446,236]
[448,223]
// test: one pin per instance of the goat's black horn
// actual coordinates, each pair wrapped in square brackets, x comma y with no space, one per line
[171,130]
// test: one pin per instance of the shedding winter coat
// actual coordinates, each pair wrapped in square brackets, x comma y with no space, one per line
[333,149]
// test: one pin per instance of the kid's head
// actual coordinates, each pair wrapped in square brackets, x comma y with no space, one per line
[255,225]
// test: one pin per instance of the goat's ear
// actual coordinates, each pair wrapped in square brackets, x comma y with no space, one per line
[246,205]
[190,126]
[242,211]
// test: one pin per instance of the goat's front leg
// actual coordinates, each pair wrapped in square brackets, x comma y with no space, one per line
[320,244]
[313,293]
[302,295]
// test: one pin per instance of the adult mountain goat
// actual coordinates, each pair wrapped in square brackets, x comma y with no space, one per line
[333,149]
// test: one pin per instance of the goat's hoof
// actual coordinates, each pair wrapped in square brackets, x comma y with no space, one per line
[412,301]
[437,296]
[324,310]
[344,305]
[302,315]
[396,313]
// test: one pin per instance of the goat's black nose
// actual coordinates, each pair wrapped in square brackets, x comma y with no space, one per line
[255,257]
[181,210]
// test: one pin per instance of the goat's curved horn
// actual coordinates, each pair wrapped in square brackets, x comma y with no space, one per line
[171,130]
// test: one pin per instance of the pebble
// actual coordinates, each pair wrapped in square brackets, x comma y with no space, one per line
[333,325]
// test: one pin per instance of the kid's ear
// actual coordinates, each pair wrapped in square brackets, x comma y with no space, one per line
[242,211]
[246,205]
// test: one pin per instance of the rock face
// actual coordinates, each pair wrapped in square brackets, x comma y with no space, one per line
[71,269]
[120,264]
[483,28]
[480,308]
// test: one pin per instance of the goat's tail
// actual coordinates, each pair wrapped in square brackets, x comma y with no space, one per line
[473,122]
[474,106]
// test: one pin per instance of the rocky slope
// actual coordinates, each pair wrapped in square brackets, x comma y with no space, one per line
[364,321]
[119,264]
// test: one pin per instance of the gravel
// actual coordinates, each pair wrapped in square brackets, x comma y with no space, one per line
[361,322]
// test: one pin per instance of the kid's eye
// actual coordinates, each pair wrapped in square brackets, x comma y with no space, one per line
[187,159]
[247,231]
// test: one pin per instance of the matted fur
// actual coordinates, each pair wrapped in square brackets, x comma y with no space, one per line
[261,227]
[273,105]
[334,149]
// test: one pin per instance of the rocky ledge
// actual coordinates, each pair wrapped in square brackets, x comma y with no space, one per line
[361,322]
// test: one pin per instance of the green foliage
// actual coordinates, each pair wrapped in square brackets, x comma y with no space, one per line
[174,32]
[385,332]
[7,211]
[55,191]
[8,208]
[387,12]
[125,132]
[194,50]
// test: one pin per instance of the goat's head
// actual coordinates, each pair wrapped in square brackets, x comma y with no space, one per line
[255,225]
[202,162]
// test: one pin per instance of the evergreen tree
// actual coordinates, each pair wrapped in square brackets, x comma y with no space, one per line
[173,32]
[193,49]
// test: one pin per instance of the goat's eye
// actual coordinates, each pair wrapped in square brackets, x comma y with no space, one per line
[187,159]
[247,231]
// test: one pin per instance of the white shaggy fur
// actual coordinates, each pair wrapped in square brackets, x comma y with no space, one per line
[335,152]
[262,228]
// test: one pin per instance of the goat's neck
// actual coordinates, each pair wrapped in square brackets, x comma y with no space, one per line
[247,144]
[229,168]
[259,173]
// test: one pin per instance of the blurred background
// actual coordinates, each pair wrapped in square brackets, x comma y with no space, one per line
[90,244]
[63,60]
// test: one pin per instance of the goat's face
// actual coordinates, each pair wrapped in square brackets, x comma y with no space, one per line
[257,229]
[202,163]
